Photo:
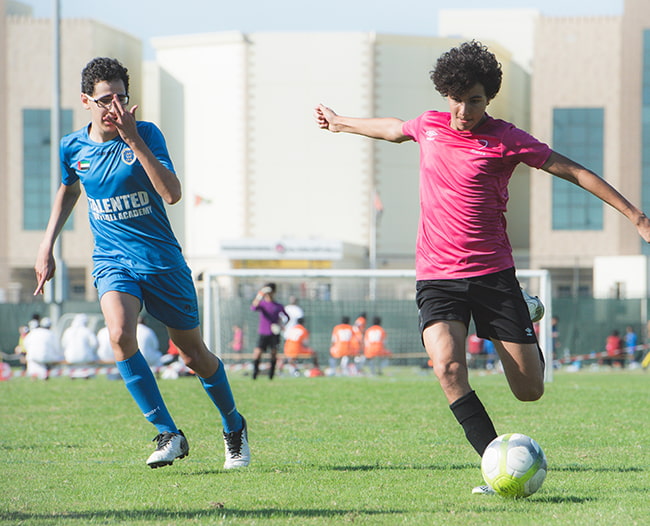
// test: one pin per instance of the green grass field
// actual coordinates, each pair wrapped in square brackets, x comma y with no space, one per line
[383,450]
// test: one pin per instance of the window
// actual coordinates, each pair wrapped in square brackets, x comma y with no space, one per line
[36,166]
[578,133]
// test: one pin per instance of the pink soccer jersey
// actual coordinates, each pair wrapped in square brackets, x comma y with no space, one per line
[464,179]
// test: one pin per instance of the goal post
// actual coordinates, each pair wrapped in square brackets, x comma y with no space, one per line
[326,295]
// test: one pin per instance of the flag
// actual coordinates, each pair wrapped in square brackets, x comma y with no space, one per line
[200,200]
[378,205]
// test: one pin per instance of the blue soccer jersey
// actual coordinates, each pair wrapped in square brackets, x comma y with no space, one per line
[127,215]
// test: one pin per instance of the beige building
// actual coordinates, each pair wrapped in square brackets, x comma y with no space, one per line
[27,74]
[591,102]
[258,172]
[236,110]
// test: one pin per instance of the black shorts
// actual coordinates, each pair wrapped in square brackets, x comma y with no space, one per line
[266,341]
[493,301]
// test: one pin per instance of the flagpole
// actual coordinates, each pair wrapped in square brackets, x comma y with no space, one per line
[56,289]
[372,251]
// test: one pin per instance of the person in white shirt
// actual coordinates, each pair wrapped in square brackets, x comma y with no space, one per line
[295,312]
[79,342]
[104,348]
[42,350]
[148,343]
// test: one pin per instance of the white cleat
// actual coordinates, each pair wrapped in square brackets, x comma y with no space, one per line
[170,447]
[238,454]
[483,490]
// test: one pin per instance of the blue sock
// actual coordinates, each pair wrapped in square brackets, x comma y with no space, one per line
[218,390]
[140,382]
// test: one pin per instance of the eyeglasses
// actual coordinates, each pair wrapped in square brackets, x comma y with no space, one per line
[106,102]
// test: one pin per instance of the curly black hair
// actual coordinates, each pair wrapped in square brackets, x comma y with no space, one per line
[100,69]
[460,68]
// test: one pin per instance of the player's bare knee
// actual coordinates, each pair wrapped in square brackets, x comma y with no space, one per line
[447,372]
[123,340]
[530,393]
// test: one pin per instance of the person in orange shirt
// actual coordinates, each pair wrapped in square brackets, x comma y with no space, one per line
[374,346]
[344,345]
[296,345]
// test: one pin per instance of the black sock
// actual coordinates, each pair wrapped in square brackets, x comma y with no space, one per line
[478,427]
[256,368]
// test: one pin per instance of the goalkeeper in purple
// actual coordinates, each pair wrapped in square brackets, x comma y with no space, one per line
[127,175]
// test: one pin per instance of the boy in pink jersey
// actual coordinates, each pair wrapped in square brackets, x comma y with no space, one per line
[464,262]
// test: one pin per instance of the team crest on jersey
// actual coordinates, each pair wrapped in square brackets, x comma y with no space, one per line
[83,166]
[128,156]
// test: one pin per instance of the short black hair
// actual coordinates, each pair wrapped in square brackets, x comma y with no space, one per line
[460,68]
[345,319]
[271,286]
[103,69]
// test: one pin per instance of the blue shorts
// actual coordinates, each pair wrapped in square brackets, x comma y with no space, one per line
[169,297]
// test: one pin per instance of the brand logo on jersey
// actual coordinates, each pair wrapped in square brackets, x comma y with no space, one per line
[483,145]
[128,156]
[431,135]
[83,166]
[529,331]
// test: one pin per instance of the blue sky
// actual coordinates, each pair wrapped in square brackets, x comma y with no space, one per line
[151,18]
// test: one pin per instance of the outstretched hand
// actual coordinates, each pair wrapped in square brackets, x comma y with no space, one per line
[643,227]
[324,117]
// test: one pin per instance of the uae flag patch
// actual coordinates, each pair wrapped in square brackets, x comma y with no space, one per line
[83,165]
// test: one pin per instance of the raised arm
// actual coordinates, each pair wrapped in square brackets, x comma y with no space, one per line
[387,128]
[164,180]
[64,202]
[571,171]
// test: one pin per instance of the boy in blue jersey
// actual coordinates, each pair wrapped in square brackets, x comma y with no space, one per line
[126,172]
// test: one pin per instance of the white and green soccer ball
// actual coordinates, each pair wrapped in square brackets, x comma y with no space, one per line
[514,465]
[535,306]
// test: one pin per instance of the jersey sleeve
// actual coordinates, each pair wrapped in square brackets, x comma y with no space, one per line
[68,173]
[155,140]
[412,127]
[520,146]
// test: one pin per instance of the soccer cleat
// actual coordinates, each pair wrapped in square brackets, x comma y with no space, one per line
[483,490]
[238,454]
[170,447]
[535,306]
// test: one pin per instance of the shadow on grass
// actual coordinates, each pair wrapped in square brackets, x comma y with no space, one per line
[560,499]
[219,511]
[362,467]
[599,469]
[379,467]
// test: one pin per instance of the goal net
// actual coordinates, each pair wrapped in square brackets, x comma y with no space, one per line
[326,295]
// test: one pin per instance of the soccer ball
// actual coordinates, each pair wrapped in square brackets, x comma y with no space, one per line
[535,306]
[514,465]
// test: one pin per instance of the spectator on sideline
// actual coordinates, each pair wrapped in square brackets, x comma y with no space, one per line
[42,349]
[294,313]
[269,328]
[148,343]
[237,342]
[374,347]
[296,345]
[464,263]
[79,342]
[614,350]
[344,346]
[128,176]
[104,349]
[474,351]
[631,343]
